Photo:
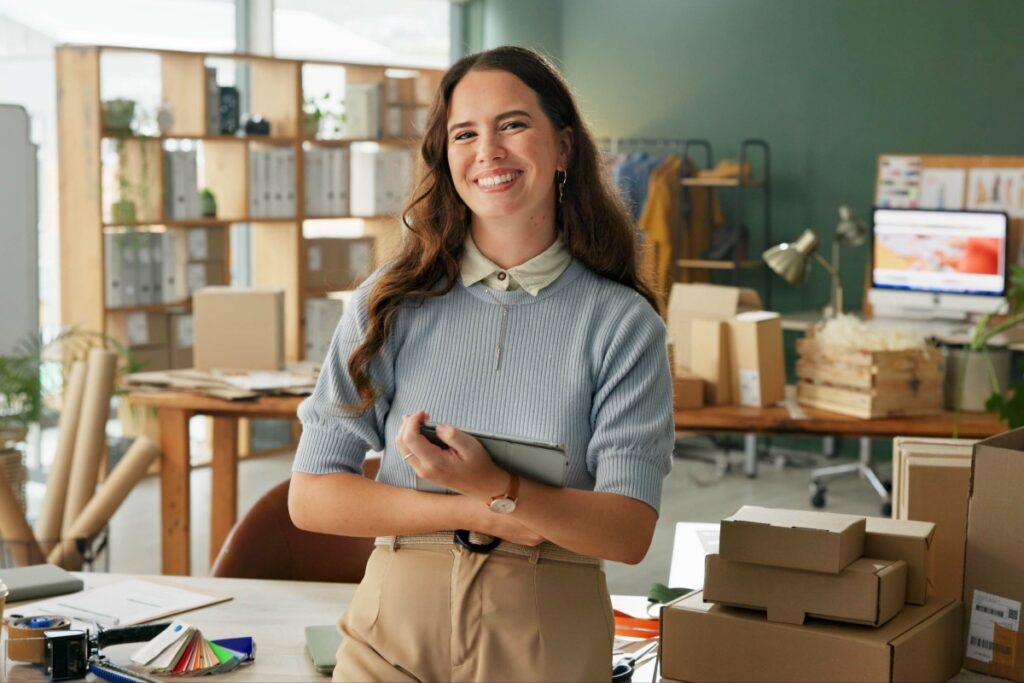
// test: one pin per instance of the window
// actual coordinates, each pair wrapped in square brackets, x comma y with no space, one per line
[407,32]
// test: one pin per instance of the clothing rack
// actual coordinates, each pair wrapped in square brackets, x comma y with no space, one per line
[616,145]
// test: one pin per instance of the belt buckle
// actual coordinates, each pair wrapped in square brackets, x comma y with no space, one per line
[462,538]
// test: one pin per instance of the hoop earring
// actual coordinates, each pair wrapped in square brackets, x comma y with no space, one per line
[561,186]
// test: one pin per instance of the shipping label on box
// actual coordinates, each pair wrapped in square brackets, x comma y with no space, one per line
[755,343]
[704,642]
[994,565]
[869,591]
[799,539]
[893,539]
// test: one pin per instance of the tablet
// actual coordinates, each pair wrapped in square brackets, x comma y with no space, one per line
[540,461]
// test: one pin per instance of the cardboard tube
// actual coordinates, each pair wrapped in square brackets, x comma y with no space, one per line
[132,467]
[48,528]
[91,436]
[17,534]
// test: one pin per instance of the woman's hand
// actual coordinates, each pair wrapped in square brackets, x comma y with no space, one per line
[464,467]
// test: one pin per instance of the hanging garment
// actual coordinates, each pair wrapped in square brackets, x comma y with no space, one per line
[661,219]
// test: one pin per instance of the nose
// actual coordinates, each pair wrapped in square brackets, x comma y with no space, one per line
[489,148]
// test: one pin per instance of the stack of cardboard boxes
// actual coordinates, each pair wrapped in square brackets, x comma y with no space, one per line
[155,340]
[814,596]
[725,349]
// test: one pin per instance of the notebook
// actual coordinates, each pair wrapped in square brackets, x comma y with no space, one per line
[38,581]
[323,643]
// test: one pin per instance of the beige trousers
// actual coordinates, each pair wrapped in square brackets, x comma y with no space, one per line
[442,613]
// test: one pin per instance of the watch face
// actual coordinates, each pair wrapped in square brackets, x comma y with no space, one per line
[503,505]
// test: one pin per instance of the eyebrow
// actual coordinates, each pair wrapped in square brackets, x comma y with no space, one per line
[506,115]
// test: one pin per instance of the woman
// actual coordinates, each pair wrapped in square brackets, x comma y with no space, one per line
[515,307]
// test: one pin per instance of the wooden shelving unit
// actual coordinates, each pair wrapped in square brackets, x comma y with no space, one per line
[275,92]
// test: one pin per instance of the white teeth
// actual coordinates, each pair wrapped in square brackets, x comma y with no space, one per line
[493,180]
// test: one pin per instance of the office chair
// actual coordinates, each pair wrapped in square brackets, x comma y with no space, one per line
[864,467]
[266,545]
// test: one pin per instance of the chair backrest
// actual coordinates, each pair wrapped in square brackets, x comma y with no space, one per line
[266,545]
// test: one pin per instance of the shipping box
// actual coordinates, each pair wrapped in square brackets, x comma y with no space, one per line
[710,302]
[799,539]
[757,366]
[869,591]
[335,263]
[704,642]
[931,483]
[993,585]
[238,329]
[687,391]
[893,539]
[710,359]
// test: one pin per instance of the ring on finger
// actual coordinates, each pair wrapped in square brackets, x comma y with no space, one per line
[408,455]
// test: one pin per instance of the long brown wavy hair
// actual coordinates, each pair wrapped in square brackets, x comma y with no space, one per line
[594,223]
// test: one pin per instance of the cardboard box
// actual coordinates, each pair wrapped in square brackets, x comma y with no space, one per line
[931,483]
[181,340]
[993,586]
[139,330]
[758,368]
[704,642]
[893,539]
[869,591]
[799,539]
[687,391]
[710,359]
[710,302]
[238,329]
[334,263]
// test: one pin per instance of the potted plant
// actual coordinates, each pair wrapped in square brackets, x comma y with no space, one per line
[321,117]
[207,203]
[1008,403]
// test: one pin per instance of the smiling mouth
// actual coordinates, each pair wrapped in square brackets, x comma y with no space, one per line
[498,182]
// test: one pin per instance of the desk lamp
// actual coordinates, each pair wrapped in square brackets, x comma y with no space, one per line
[792,260]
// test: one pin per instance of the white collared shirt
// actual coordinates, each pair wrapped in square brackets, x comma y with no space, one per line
[532,276]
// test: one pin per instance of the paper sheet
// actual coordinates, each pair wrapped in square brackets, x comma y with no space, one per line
[122,604]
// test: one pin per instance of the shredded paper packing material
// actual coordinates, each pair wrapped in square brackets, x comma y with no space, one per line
[181,649]
[849,331]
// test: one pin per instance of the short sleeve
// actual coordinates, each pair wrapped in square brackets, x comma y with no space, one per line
[633,435]
[333,438]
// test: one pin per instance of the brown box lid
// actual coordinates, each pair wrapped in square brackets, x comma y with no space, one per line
[799,539]
[704,642]
[696,300]
[867,592]
[901,539]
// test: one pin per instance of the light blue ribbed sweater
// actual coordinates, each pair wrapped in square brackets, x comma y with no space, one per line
[582,364]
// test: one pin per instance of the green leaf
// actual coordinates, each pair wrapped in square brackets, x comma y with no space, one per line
[1011,411]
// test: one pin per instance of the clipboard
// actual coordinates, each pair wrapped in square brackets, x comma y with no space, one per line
[540,461]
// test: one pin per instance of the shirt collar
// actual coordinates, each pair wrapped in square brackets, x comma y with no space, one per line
[532,276]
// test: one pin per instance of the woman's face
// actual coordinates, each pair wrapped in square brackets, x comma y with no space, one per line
[502,149]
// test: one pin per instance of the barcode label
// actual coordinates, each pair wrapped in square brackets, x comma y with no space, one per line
[988,610]
[1013,614]
[989,645]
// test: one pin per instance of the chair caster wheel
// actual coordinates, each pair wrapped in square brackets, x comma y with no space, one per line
[887,485]
[818,498]
[887,509]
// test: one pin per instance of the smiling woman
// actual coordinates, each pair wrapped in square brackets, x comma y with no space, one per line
[515,307]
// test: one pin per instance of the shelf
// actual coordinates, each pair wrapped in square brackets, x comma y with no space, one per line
[320,292]
[271,139]
[197,223]
[342,142]
[349,216]
[710,264]
[720,182]
[151,308]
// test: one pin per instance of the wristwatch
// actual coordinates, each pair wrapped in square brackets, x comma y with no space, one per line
[505,503]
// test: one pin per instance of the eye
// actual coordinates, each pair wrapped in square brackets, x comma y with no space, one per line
[512,125]
[464,135]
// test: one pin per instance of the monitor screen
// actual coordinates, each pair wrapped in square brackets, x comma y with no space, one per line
[956,252]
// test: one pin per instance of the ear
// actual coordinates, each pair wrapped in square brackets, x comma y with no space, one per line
[565,141]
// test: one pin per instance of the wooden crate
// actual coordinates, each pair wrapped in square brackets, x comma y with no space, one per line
[869,384]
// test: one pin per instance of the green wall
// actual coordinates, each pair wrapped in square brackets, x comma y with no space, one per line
[830,84]
[536,24]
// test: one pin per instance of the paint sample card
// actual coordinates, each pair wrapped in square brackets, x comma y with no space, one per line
[942,188]
[996,189]
[899,182]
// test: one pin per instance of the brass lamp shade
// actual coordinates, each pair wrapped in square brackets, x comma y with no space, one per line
[790,260]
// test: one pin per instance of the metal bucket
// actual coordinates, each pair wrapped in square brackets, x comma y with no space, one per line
[977,387]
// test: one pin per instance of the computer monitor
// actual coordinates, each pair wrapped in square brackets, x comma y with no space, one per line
[942,265]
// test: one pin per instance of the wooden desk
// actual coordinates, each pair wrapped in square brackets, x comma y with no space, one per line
[174,410]
[275,613]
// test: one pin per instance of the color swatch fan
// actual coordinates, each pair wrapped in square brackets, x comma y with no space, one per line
[182,649]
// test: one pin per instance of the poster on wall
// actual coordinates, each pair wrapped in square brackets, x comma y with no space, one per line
[942,188]
[996,189]
[899,182]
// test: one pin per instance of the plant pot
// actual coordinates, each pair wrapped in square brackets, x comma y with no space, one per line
[977,385]
[123,212]
[118,116]
[312,125]
[207,205]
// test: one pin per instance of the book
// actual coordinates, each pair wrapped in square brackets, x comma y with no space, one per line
[38,581]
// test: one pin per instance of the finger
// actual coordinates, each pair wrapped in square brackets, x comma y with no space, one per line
[456,439]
